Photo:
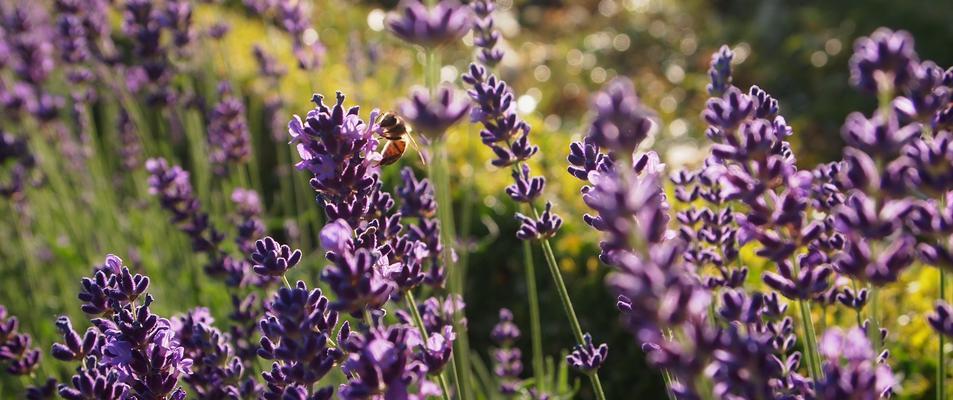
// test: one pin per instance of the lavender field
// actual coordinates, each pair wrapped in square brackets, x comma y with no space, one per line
[475,199]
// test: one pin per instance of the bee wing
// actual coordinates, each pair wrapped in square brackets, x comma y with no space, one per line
[420,151]
[392,151]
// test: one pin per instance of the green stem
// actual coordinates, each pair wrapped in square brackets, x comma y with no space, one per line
[440,178]
[412,305]
[810,337]
[535,325]
[873,331]
[810,346]
[941,361]
[567,306]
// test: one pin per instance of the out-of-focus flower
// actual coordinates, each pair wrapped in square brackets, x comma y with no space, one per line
[719,71]
[16,354]
[851,369]
[621,122]
[485,37]
[507,359]
[883,61]
[228,136]
[433,116]
[942,318]
[414,23]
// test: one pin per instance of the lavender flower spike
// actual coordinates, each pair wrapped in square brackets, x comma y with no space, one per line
[416,24]
[720,71]
[621,122]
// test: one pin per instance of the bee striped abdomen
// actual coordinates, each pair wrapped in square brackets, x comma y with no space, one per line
[393,150]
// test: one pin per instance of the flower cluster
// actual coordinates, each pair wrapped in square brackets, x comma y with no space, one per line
[851,368]
[16,354]
[228,137]
[507,358]
[485,36]
[16,155]
[507,135]
[215,371]
[174,190]
[417,201]
[129,352]
[296,332]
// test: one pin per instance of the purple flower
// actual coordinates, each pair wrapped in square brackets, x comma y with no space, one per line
[336,236]
[272,258]
[507,360]
[357,281]
[719,71]
[94,382]
[851,369]
[585,158]
[338,148]
[17,357]
[295,334]
[143,350]
[495,108]
[75,347]
[248,221]
[941,319]
[215,371]
[268,66]
[505,332]
[485,37]
[171,185]
[310,56]
[544,227]
[525,188]
[621,122]
[447,22]
[228,137]
[437,313]
[587,357]
[883,61]
[418,201]
[729,110]
[805,284]
[381,363]
[433,116]
[438,349]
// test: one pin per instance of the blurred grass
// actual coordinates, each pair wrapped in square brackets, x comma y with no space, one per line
[81,213]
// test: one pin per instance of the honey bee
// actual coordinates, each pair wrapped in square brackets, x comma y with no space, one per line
[396,133]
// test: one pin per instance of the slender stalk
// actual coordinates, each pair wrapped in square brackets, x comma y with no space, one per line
[941,360]
[412,305]
[810,345]
[873,330]
[441,181]
[567,306]
[536,334]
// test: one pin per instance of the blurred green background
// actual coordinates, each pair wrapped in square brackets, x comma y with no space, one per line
[558,54]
